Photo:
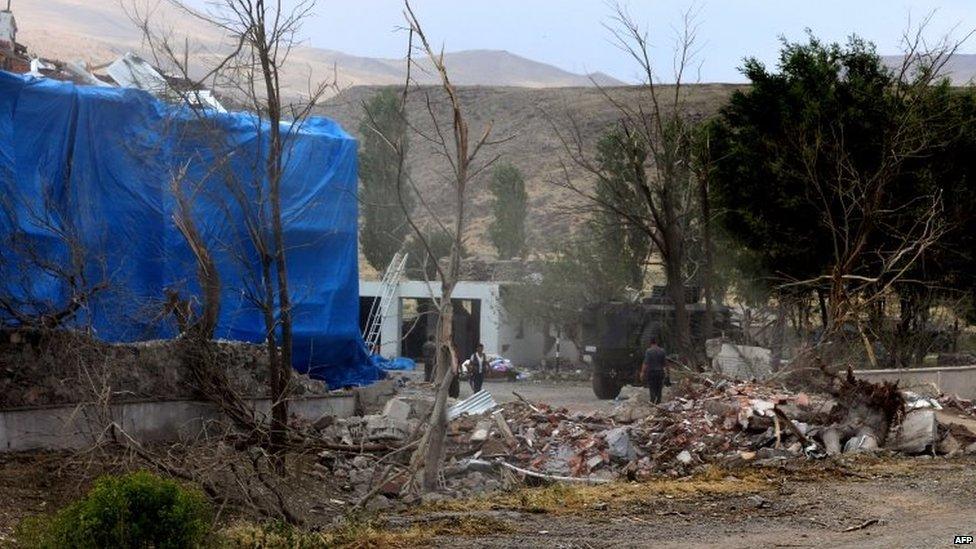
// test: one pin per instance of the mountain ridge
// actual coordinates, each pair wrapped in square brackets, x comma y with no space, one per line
[72,30]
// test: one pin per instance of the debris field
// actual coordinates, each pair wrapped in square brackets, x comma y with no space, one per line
[705,422]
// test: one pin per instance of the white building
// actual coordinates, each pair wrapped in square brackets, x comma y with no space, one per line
[8,30]
[479,317]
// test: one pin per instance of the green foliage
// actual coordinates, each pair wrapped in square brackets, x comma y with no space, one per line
[602,261]
[565,284]
[136,510]
[792,152]
[510,206]
[620,247]
[950,172]
[384,223]
[761,181]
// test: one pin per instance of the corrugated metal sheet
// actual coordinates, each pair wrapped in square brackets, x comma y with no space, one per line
[132,71]
[478,403]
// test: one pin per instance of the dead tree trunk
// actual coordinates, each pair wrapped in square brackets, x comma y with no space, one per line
[708,276]
[281,369]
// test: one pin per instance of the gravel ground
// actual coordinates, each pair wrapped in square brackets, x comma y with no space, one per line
[907,502]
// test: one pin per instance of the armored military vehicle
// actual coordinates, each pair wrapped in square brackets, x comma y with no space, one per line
[615,335]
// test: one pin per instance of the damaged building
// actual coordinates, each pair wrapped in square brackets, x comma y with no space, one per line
[479,317]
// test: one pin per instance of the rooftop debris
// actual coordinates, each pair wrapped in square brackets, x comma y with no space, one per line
[477,403]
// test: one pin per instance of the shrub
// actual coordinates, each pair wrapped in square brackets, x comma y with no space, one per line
[137,510]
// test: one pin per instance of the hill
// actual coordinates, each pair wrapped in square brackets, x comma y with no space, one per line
[960,69]
[533,118]
[97,32]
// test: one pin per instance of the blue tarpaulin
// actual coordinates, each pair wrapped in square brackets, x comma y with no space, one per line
[397,363]
[87,175]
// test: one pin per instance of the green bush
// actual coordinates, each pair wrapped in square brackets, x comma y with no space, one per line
[137,510]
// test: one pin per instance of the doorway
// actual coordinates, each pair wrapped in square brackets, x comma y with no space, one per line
[419,319]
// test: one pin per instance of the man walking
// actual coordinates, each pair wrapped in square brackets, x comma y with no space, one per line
[654,370]
[430,358]
[478,365]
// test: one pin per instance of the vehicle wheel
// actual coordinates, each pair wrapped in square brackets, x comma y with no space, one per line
[605,387]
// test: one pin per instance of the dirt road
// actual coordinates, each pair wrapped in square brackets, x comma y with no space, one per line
[906,502]
[573,395]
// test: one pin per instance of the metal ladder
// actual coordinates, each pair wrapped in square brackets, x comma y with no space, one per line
[381,305]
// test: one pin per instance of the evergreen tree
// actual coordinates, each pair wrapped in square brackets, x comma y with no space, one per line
[510,206]
[624,247]
[384,224]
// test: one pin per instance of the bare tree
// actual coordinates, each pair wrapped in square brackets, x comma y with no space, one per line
[660,198]
[452,143]
[262,34]
[42,247]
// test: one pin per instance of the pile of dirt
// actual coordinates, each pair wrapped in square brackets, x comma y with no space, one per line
[60,368]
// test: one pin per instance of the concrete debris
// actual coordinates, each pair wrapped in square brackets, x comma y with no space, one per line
[831,440]
[918,432]
[915,401]
[618,443]
[504,429]
[491,447]
[379,503]
[372,398]
[861,443]
[480,433]
[949,445]
[702,423]
[397,409]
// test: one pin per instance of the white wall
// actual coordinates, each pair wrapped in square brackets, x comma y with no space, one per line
[486,292]
[8,28]
[526,350]
[499,333]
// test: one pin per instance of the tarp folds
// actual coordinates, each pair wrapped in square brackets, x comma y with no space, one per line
[92,169]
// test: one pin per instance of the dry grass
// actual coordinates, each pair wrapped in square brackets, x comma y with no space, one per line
[716,481]
[360,532]
[368,531]
[572,499]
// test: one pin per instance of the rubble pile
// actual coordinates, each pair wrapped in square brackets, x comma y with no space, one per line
[399,421]
[952,402]
[492,447]
[708,422]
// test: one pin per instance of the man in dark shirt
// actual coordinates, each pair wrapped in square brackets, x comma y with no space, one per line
[478,366]
[654,370]
[430,358]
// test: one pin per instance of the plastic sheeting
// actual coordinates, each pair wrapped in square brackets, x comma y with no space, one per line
[86,175]
[397,363]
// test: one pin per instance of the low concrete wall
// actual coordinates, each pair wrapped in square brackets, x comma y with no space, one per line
[74,427]
[957,380]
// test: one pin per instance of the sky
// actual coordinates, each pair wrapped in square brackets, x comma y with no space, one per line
[570,33]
